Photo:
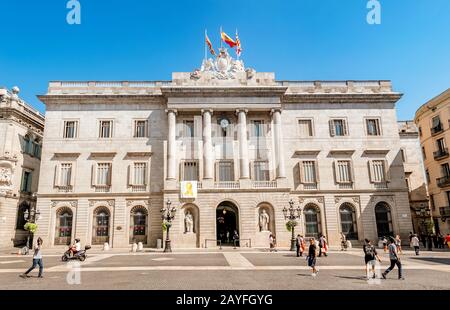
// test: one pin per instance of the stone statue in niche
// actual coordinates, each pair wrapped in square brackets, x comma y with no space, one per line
[5,177]
[189,222]
[264,219]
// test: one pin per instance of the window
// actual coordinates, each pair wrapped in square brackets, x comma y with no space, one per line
[258,128]
[103,177]
[225,171]
[188,129]
[26,182]
[403,154]
[138,225]
[100,232]
[420,131]
[65,176]
[312,221]
[373,127]
[436,125]
[70,129]
[106,128]
[305,128]
[343,171]
[139,174]
[338,127]
[37,150]
[140,129]
[64,219]
[378,171]
[24,207]
[424,154]
[433,206]
[261,171]
[190,171]
[427,174]
[383,220]
[308,173]
[407,184]
[348,221]
[441,145]
[445,170]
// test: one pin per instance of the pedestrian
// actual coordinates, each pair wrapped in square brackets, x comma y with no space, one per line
[435,241]
[395,260]
[343,242]
[236,238]
[447,240]
[324,245]
[300,246]
[440,241]
[272,243]
[430,242]
[312,254]
[398,244]
[415,244]
[37,260]
[423,238]
[385,242]
[370,258]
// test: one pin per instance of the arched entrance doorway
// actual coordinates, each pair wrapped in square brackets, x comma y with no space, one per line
[227,222]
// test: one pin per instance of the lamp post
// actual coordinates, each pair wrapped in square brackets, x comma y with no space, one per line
[423,213]
[31,216]
[168,214]
[291,215]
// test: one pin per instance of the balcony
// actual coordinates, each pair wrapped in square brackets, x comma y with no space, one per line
[65,189]
[264,184]
[227,185]
[438,129]
[138,188]
[102,188]
[440,154]
[445,212]
[443,181]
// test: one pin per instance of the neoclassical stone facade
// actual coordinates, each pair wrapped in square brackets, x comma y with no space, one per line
[21,130]
[228,147]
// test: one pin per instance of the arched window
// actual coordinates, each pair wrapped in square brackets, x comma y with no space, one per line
[100,232]
[64,221]
[138,224]
[347,215]
[312,221]
[383,219]
[24,207]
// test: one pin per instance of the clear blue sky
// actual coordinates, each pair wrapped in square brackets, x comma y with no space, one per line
[298,40]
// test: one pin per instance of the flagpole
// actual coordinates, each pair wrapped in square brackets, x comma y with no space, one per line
[206,35]
[221,37]
[237,38]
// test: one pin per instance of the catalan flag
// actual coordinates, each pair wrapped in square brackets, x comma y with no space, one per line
[209,44]
[228,40]
[238,45]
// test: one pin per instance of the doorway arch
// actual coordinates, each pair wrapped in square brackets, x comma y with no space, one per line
[227,222]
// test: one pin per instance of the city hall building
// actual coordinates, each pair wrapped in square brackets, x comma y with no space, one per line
[228,148]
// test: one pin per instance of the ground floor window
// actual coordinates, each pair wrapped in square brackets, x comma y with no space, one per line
[383,219]
[64,221]
[101,226]
[138,225]
[348,221]
[312,221]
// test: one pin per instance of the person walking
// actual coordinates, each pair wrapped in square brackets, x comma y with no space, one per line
[430,242]
[370,258]
[312,254]
[343,242]
[300,246]
[395,260]
[385,244]
[37,260]
[322,246]
[447,240]
[272,243]
[398,244]
[236,238]
[415,243]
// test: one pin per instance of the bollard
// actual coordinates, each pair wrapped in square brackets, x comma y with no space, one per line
[106,246]
[134,247]
[140,247]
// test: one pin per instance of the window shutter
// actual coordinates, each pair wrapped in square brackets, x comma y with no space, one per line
[57,174]
[22,143]
[110,175]
[316,167]
[344,124]
[302,172]
[30,182]
[146,174]
[129,174]
[198,123]
[335,172]
[94,175]
[72,175]
[371,172]
[352,171]
[332,129]
[387,173]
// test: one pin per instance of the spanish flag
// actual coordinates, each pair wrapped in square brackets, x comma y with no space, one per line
[228,40]
[208,42]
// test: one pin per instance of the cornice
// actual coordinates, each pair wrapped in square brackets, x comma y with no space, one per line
[342,98]
[223,91]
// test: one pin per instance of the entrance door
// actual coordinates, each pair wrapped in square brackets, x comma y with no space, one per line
[227,224]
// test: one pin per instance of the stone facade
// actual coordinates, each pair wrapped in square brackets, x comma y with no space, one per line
[21,130]
[223,144]
[432,119]
[414,174]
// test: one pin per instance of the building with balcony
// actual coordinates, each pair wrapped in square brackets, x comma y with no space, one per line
[229,147]
[21,130]
[432,119]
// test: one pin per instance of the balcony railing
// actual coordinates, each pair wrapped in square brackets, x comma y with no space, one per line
[445,212]
[138,188]
[443,181]
[227,185]
[381,185]
[435,130]
[102,188]
[65,189]
[442,153]
[264,184]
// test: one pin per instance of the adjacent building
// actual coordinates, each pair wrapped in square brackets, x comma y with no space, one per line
[433,121]
[415,176]
[228,148]
[21,130]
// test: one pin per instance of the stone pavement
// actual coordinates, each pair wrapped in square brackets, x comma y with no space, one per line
[223,269]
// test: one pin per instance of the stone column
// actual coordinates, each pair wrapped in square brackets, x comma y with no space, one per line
[243,145]
[278,143]
[171,145]
[207,146]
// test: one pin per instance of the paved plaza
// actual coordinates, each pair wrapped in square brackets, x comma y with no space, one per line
[222,270]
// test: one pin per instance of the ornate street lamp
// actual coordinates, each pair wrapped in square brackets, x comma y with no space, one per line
[291,215]
[32,217]
[423,213]
[168,214]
